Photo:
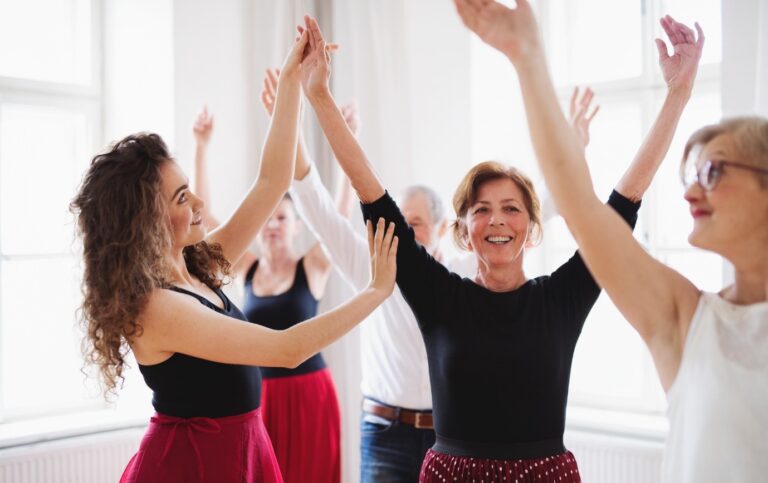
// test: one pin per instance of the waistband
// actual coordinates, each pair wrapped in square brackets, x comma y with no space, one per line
[499,451]
[314,363]
[417,419]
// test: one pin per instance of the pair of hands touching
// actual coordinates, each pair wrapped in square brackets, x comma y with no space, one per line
[308,62]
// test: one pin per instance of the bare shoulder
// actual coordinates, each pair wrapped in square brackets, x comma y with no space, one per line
[316,261]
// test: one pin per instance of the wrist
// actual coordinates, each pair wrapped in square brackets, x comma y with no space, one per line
[679,92]
[318,96]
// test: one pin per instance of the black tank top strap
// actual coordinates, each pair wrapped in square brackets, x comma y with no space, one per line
[251,271]
[204,300]
[300,278]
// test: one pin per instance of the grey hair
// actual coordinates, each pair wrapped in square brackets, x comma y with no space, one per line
[436,208]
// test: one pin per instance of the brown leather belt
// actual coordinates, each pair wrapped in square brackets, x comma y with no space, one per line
[417,419]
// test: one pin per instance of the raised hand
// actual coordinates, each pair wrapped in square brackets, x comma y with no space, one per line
[297,54]
[679,69]
[383,250]
[203,127]
[269,90]
[351,117]
[513,32]
[579,116]
[316,65]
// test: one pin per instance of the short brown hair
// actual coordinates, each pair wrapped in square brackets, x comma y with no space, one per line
[750,134]
[466,195]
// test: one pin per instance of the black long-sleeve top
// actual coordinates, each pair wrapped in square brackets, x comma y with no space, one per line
[499,362]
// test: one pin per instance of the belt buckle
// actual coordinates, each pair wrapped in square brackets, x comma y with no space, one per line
[422,421]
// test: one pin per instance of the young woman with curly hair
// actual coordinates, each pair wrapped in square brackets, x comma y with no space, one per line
[152,285]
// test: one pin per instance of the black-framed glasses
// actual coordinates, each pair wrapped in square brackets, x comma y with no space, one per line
[710,172]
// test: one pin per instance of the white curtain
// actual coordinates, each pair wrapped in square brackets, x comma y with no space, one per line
[761,78]
[745,58]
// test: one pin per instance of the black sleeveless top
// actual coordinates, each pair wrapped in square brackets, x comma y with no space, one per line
[282,311]
[185,386]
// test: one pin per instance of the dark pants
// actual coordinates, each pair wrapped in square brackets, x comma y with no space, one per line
[391,452]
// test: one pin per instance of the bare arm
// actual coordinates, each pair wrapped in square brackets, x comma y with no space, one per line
[174,323]
[276,167]
[202,131]
[656,300]
[348,152]
[679,71]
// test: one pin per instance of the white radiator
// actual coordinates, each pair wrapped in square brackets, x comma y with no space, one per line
[101,458]
[604,458]
[97,458]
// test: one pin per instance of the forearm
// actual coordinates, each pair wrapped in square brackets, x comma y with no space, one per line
[557,148]
[640,173]
[200,184]
[346,149]
[303,161]
[348,250]
[280,147]
[308,338]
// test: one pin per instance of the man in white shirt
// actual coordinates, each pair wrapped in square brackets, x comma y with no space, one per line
[396,427]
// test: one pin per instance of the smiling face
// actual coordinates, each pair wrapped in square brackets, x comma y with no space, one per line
[498,223]
[183,207]
[735,212]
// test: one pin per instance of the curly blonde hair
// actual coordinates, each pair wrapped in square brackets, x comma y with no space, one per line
[122,221]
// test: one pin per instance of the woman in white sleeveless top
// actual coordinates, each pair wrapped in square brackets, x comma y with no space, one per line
[710,349]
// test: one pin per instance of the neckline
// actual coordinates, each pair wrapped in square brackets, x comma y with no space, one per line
[205,301]
[291,287]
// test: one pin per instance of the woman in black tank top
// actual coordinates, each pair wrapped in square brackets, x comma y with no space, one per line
[152,285]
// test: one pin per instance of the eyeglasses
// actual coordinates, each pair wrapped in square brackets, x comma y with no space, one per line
[710,172]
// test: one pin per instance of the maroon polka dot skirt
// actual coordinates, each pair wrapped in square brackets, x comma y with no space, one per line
[444,468]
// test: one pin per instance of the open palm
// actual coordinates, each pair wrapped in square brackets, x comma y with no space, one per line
[513,32]
[316,65]
[679,69]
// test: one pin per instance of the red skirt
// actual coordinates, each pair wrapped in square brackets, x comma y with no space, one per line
[229,449]
[440,467]
[301,414]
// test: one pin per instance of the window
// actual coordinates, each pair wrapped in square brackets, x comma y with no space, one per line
[50,118]
[618,59]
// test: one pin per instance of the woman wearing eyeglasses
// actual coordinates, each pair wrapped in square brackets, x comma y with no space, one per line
[710,349]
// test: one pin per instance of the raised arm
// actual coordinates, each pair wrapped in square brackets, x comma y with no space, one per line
[351,158]
[679,70]
[656,300]
[173,323]
[202,131]
[277,163]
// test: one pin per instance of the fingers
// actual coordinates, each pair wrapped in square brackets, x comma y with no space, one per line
[700,40]
[661,46]
[468,12]
[315,28]
[572,108]
[593,114]
[387,241]
[369,229]
[392,255]
[271,80]
[666,24]
[378,237]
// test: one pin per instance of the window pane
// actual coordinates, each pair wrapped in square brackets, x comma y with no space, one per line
[708,14]
[704,269]
[673,219]
[499,127]
[609,153]
[43,154]
[47,40]
[39,345]
[609,364]
[594,41]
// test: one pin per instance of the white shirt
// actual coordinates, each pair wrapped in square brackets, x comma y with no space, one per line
[394,359]
[718,404]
